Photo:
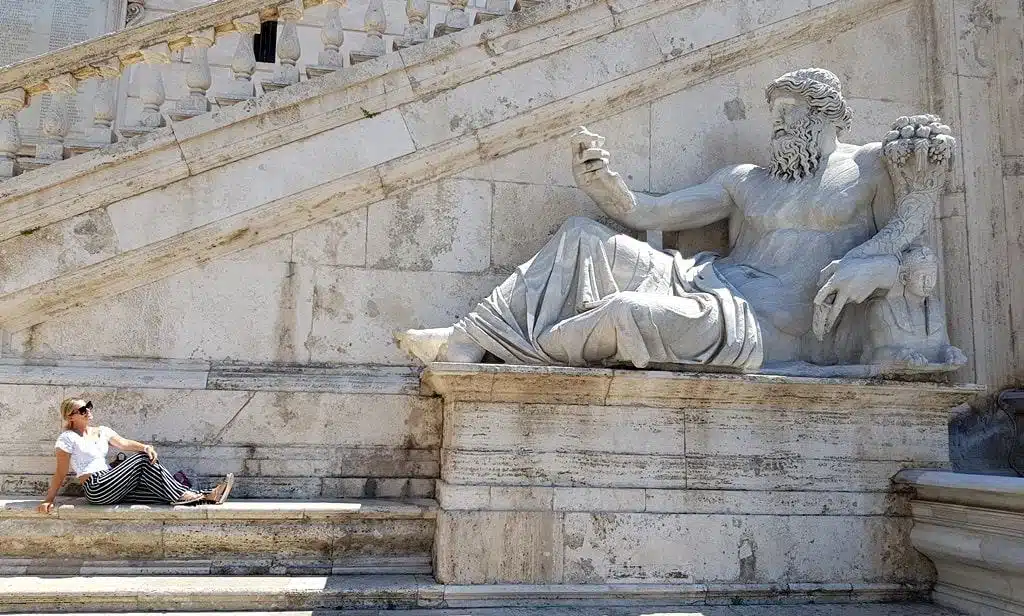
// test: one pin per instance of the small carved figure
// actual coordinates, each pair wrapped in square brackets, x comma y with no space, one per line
[907,326]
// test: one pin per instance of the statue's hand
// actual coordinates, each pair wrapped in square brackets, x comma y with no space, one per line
[917,152]
[849,280]
[590,168]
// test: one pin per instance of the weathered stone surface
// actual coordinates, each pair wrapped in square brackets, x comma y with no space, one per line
[456,238]
[635,547]
[496,547]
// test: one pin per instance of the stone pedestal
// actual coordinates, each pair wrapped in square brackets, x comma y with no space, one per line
[972,529]
[727,487]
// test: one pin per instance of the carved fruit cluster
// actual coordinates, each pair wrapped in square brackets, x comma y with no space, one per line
[921,134]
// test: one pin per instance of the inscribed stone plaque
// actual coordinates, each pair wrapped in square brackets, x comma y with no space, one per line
[31,28]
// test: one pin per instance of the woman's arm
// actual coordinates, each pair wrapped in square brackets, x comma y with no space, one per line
[63,464]
[126,444]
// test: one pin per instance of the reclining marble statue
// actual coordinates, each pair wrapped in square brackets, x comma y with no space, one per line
[826,275]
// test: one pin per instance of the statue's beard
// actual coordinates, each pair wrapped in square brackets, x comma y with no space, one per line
[796,153]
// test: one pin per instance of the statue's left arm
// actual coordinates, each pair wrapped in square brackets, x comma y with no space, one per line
[917,152]
[915,157]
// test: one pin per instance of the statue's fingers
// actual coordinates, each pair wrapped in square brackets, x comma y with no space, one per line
[824,292]
[827,272]
[835,310]
[594,154]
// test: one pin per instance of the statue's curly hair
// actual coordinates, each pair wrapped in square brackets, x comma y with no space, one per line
[822,90]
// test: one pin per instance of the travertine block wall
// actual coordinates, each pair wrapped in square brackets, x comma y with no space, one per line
[354,434]
[335,291]
[613,476]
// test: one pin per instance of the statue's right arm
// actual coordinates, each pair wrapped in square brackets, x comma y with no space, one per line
[689,208]
[683,209]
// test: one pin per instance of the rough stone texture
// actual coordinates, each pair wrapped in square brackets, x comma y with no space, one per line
[612,476]
[249,537]
[972,529]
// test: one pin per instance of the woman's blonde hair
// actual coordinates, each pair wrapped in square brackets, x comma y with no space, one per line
[67,407]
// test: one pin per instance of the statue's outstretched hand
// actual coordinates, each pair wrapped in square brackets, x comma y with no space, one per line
[849,280]
[590,168]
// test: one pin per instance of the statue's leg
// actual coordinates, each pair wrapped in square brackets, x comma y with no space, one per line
[582,263]
[639,328]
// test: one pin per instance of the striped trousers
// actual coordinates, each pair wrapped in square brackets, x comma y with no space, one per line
[136,480]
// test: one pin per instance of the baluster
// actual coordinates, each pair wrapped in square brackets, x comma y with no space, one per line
[11,102]
[454,20]
[151,90]
[288,48]
[57,122]
[374,23]
[333,37]
[243,63]
[105,105]
[197,78]
[415,31]
[492,10]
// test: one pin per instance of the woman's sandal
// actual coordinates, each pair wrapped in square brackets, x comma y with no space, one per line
[218,495]
[190,501]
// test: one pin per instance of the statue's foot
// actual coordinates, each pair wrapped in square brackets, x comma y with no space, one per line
[439,344]
[424,344]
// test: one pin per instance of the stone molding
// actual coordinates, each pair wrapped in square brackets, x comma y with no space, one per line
[972,528]
[554,384]
[415,82]
[197,375]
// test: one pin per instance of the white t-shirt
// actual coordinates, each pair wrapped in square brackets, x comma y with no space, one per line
[88,453]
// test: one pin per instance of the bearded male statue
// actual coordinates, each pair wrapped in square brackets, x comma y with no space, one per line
[811,237]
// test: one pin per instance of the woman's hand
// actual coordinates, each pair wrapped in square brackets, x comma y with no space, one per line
[150,451]
[45,507]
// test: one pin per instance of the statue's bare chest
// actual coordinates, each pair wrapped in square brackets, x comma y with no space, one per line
[833,200]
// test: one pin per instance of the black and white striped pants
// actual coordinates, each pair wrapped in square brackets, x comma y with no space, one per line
[135,480]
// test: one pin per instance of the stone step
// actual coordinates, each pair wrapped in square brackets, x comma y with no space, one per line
[239,537]
[850,609]
[29,594]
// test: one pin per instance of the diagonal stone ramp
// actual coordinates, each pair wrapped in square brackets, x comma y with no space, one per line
[235,178]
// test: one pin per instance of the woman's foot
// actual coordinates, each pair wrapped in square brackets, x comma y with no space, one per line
[189,498]
[218,495]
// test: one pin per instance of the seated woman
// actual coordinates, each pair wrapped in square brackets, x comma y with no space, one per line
[138,479]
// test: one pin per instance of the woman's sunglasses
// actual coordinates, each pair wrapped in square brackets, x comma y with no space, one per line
[82,410]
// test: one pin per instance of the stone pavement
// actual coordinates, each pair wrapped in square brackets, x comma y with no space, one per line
[848,609]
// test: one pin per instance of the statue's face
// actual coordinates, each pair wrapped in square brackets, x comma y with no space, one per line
[920,281]
[788,114]
[795,132]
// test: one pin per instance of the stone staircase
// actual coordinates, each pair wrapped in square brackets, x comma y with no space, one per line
[275,554]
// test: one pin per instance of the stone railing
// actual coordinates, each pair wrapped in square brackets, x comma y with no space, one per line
[972,529]
[60,73]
